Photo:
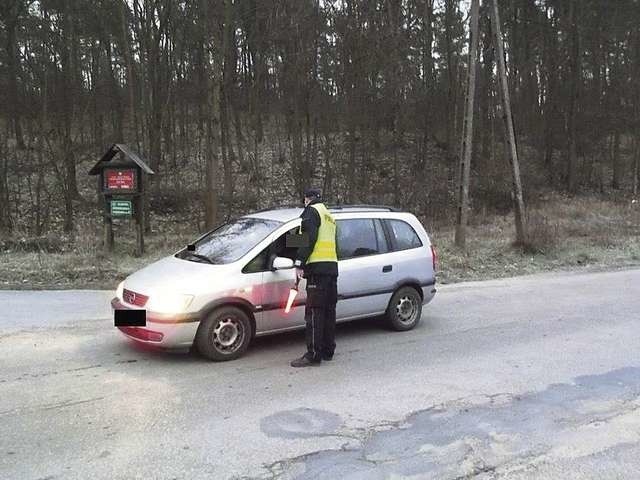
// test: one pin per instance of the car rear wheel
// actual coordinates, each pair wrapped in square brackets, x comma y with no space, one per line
[224,335]
[405,309]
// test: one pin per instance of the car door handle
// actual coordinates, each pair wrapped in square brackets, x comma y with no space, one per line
[387,268]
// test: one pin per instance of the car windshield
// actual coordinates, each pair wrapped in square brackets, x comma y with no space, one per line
[231,241]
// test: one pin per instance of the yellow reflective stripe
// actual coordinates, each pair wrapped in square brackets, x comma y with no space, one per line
[322,251]
[325,244]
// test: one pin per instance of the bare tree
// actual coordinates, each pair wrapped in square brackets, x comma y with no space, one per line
[467,131]
[10,13]
[5,212]
[365,96]
[212,78]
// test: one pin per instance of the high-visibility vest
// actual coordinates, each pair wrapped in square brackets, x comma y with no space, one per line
[325,248]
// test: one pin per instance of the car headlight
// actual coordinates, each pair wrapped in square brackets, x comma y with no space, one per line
[119,290]
[168,302]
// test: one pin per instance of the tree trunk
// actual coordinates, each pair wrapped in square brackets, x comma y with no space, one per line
[116,104]
[617,164]
[13,61]
[428,75]
[574,92]
[5,211]
[213,146]
[125,46]
[550,97]
[467,130]
[213,80]
[508,124]
[226,151]
[351,164]
[69,184]
[486,89]
[225,100]
[452,84]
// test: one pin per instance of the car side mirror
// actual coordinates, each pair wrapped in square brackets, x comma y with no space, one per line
[282,263]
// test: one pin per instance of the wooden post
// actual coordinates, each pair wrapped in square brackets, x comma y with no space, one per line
[139,217]
[138,204]
[507,118]
[108,225]
[467,130]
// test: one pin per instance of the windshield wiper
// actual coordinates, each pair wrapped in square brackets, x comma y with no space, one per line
[201,257]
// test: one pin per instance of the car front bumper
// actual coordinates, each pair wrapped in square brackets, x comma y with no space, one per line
[162,330]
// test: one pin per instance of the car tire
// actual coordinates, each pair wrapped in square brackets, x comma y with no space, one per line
[404,310]
[224,334]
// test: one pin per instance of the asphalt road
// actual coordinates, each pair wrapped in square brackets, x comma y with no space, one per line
[534,377]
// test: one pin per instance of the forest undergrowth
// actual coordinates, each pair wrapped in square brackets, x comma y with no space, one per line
[565,233]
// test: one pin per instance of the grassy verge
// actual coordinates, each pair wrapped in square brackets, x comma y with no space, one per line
[564,234]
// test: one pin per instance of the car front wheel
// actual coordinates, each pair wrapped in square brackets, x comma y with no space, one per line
[405,309]
[225,334]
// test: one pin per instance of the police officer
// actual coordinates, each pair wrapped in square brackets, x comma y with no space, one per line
[318,263]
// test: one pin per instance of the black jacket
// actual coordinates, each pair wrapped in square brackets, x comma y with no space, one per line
[310,227]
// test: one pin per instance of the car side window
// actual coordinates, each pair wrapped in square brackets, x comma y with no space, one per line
[259,263]
[279,248]
[404,237]
[356,238]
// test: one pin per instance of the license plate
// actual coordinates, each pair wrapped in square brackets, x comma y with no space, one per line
[130,318]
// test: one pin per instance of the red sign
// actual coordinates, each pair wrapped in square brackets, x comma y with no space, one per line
[120,179]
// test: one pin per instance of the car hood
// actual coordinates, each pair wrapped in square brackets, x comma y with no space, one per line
[178,276]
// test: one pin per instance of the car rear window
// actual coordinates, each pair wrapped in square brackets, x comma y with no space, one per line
[403,236]
[359,237]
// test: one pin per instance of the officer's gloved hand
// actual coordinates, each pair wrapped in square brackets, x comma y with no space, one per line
[299,270]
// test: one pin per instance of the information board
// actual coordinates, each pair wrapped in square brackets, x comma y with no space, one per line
[120,180]
[121,208]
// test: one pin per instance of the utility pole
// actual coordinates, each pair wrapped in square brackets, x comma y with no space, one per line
[508,125]
[464,170]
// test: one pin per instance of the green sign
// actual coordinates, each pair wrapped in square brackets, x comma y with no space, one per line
[121,208]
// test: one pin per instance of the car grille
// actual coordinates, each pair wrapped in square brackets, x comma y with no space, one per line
[134,298]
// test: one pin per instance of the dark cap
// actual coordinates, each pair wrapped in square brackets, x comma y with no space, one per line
[312,193]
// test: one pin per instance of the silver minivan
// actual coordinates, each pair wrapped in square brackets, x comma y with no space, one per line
[232,283]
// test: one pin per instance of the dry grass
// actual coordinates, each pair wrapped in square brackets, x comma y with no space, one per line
[564,233]
[81,262]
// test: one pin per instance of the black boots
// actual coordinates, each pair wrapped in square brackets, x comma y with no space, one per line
[304,361]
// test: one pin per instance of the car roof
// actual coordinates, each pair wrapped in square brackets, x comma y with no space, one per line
[279,214]
[286,214]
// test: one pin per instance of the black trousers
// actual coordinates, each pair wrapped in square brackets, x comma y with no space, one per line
[320,315]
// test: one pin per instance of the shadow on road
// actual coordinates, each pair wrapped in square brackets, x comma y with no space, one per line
[260,347]
[263,351]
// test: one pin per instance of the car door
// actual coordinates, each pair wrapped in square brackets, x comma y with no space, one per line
[362,271]
[276,286]
[410,259]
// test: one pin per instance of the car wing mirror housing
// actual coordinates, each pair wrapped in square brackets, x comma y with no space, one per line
[282,263]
